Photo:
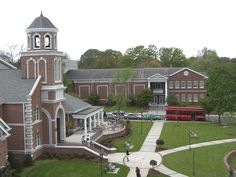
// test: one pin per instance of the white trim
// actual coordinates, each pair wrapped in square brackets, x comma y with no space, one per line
[42,53]
[55,41]
[23,117]
[29,42]
[8,64]
[27,66]
[5,125]
[16,124]
[45,68]
[49,124]
[37,122]
[50,40]
[185,68]
[54,101]
[157,74]
[62,121]
[137,85]
[106,88]
[34,86]
[41,30]
[80,86]
[53,87]
[36,34]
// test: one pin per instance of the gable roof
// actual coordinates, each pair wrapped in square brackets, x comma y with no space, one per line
[13,88]
[6,65]
[139,73]
[203,75]
[74,105]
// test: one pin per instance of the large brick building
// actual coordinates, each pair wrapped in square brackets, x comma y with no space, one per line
[33,106]
[184,83]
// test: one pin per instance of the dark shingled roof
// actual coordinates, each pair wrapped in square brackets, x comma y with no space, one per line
[74,105]
[41,22]
[140,73]
[12,87]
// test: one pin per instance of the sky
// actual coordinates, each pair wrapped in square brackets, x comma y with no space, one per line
[189,25]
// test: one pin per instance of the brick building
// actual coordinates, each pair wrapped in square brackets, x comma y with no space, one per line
[33,106]
[184,83]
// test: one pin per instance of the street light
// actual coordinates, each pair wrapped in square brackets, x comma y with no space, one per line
[189,138]
[101,156]
[141,121]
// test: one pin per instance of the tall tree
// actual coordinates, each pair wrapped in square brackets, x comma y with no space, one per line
[88,58]
[222,88]
[172,57]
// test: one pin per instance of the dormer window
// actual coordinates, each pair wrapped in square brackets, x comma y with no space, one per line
[47,41]
[36,41]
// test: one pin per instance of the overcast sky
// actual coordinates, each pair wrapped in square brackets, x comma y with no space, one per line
[121,24]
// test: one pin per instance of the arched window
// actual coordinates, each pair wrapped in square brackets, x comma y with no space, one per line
[37,138]
[37,41]
[31,68]
[42,69]
[47,41]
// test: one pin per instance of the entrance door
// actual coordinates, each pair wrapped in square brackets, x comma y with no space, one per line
[161,99]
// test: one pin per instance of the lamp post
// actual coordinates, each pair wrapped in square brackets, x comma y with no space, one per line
[101,156]
[193,163]
[189,138]
[141,121]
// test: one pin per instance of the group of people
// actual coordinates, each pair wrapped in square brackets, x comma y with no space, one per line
[137,170]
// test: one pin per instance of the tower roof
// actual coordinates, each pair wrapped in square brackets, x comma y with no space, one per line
[41,23]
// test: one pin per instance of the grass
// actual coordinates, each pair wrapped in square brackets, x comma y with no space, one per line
[208,161]
[70,168]
[131,109]
[176,134]
[136,138]
[154,173]
[233,162]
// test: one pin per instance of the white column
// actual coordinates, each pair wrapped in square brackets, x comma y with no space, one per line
[149,84]
[94,121]
[98,115]
[166,92]
[85,127]
[90,124]
[102,116]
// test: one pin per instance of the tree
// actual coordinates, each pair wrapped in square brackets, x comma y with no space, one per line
[205,104]
[145,97]
[68,84]
[93,98]
[88,58]
[172,100]
[172,57]
[222,88]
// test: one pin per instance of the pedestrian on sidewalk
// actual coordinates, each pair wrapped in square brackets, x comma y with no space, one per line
[138,172]
[127,155]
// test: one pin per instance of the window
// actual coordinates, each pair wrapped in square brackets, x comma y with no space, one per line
[37,138]
[195,97]
[36,41]
[201,84]
[183,84]
[171,85]
[183,97]
[36,114]
[47,41]
[189,97]
[177,97]
[189,84]
[176,84]
[195,84]
[201,96]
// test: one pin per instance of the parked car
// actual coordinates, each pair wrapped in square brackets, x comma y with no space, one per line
[109,115]
[132,116]
[116,112]
[151,117]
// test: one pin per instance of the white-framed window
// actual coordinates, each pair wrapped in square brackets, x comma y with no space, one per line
[195,84]
[189,97]
[171,85]
[177,84]
[177,97]
[183,97]
[201,96]
[37,113]
[37,139]
[183,84]
[189,84]
[195,97]
[201,84]
[37,41]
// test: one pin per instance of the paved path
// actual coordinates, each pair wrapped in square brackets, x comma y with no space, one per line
[147,152]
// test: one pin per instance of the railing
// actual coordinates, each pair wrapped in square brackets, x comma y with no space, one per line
[97,134]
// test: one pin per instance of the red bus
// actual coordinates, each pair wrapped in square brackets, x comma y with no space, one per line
[185,113]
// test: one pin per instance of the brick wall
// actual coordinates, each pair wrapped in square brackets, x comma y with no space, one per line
[3,152]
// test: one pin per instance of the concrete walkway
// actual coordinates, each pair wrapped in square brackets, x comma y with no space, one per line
[147,152]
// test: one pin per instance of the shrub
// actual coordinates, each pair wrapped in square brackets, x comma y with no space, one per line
[14,163]
[111,100]
[172,100]
[93,98]
[153,163]
[28,161]
[160,142]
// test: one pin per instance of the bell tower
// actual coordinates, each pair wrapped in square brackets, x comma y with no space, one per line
[42,59]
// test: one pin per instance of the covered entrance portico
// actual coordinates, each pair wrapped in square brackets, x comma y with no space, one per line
[89,119]
[158,84]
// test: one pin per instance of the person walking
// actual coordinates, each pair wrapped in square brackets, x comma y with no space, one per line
[127,155]
[138,172]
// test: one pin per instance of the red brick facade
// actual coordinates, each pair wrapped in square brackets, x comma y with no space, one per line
[3,152]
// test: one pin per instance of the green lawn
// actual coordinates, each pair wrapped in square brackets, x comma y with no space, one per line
[176,134]
[136,137]
[233,162]
[126,109]
[70,168]
[208,161]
